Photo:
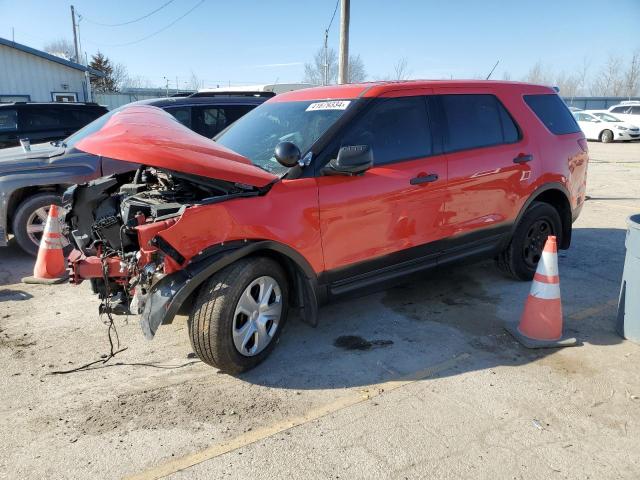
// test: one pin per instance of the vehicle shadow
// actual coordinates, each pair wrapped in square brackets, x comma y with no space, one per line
[14,264]
[14,295]
[432,318]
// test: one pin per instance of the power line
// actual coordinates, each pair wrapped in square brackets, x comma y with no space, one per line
[156,32]
[333,16]
[130,21]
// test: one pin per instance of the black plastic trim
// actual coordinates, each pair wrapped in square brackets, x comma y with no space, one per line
[168,294]
[485,242]
[566,237]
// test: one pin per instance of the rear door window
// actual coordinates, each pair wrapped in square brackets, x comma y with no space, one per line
[396,129]
[81,117]
[33,120]
[8,120]
[209,121]
[553,112]
[476,120]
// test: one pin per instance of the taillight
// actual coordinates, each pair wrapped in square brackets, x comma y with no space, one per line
[583,144]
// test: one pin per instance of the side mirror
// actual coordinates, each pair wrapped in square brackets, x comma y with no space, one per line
[287,154]
[352,160]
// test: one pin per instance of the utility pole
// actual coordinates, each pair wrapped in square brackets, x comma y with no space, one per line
[325,77]
[343,72]
[87,78]
[75,35]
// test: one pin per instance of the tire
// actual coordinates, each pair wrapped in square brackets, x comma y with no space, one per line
[606,136]
[216,324]
[30,212]
[520,258]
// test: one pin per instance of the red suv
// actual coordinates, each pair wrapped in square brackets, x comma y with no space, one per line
[317,193]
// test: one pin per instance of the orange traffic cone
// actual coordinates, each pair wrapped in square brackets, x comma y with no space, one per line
[541,322]
[50,265]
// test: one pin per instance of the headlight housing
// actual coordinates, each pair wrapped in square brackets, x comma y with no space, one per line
[620,127]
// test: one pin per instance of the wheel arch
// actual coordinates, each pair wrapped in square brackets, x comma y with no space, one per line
[175,292]
[613,135]
[556,195]
[19,195]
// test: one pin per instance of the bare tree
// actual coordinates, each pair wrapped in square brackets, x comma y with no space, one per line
[631,83]
[62,48]
[401,70]
[315,70]
[537,74]
[120,76]
[357,72]
[194,82]
[583,75]
[138,81]
[610,80]
[567,84]
[506,76]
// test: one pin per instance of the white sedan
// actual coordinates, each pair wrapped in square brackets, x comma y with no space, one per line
[605,127]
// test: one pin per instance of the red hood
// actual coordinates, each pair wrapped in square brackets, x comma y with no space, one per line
[150,136]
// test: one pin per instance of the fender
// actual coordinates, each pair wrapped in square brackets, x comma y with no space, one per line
[168,294]
[566,234]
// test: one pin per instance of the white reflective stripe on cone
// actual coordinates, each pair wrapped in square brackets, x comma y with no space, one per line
[545,291]
[548,264]
[51,243]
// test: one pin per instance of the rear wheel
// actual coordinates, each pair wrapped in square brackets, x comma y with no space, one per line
[239,314]
[520,258]
[30,219]
[606,136]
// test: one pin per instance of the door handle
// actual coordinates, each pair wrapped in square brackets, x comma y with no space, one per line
[523,158]
[432,177]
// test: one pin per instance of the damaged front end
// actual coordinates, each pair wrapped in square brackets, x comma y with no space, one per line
[116,226]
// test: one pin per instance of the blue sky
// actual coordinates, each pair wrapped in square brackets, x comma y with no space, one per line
[249,41]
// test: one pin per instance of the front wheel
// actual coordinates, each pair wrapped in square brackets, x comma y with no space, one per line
[606,136]
[239,314]
[520,258]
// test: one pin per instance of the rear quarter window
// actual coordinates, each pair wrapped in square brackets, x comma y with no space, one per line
[553,112]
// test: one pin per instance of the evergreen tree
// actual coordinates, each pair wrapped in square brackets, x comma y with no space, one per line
[102,84]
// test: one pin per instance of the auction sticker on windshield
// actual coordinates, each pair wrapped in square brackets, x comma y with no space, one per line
[334,105]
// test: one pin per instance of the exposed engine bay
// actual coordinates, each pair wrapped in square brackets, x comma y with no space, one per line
[106,218]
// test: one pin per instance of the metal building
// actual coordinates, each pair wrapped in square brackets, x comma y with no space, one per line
[31,75]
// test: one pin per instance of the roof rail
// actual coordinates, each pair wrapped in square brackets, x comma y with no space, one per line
[630,102]
[233,94]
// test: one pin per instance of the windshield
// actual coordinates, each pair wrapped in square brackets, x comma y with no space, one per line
[256,135]
[90,128]
[606,117]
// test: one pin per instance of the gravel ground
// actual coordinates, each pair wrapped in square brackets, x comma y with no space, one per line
[430,386]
